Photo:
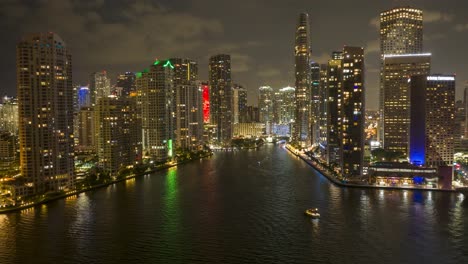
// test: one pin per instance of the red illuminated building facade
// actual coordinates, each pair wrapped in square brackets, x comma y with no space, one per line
[206,102]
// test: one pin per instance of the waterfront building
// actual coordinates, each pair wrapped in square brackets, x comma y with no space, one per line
[277,101]
[265,105]
[249,130]
[352,111]
[9,115]
[8,150]
[315,101]
[239,97]
[432,120]
[99,86]
[323,111]
[125,84]
[401,32]
[334,89]
[253,114]
[398,174]
[459,126]
[45,102]
[118,133]
[86,130]
[188,103]
[397,69]
[301,132]
[286,105]
[221,110]
[156,99]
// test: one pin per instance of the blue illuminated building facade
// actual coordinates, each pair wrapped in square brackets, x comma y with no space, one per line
[432,101]
[84,97]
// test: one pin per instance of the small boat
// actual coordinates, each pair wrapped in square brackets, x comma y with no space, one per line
[314,213]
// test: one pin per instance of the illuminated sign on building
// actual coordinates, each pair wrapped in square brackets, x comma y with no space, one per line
[407,55]
[206,103]
[440,78]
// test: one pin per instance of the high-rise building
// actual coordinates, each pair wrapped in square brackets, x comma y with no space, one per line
[323,111]
[265,104]
[9,115]
[253,114]
[188,103]
[84,97]
[401,32]
[302,53]
[315,102]
[8,149]
[118,130]
[204,86]
[99,86]
[334,89]
[239,97]
[45,102]
[125,84]
[432,120]
[155,89]
[286,105]
[86,130]
[221,96]
[352,111]
[397,69]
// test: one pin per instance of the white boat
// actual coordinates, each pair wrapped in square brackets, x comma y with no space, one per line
[313,212]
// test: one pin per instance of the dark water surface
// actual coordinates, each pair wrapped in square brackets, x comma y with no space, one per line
[239,207]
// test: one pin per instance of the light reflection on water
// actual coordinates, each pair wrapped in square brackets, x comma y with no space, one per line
[230,209]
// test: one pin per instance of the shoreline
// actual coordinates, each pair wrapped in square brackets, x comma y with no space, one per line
[350,185]
[91,188]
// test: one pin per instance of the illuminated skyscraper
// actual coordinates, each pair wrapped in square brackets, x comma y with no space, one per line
[99,86]
[45,102]
[118,131]
[9,115]
[397,69]
[239,97]
[323,110]
[287,106]
[352,111]
[188,103]
[265,104]
[84,97]
[86,130]
[334,89]
[155,87]
[302,52]
[315,102]
[204,86]
[401,32]
[221,109]
[432,120]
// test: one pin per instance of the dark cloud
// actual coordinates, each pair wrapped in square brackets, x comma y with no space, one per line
[121,35]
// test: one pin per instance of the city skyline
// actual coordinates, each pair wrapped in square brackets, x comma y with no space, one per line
[206,30]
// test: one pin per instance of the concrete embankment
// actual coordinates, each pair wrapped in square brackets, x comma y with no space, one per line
[340,183]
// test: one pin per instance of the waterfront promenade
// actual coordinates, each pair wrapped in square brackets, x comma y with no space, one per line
[46,199]
[326,172]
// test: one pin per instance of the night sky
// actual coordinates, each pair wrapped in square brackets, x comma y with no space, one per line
[127,35]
